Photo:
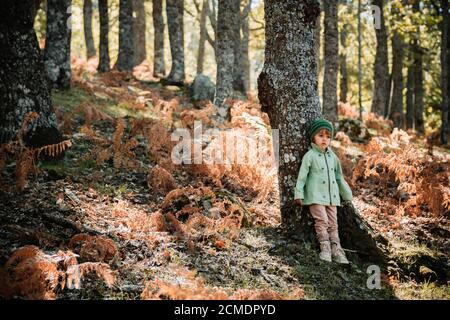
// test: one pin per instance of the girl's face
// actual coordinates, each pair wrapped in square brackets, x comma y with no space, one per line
[322,139]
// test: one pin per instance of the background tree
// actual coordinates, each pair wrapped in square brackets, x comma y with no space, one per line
[381,67]
[331,58]
[396,113]
[139,28]
[444,72]
[228,26]
[202,40]
[159,68]
[87,25]
[343,88]
[245,59]
[104,62]
[418,75]
[57,43]
[175,9]
[23,84]
[125,60]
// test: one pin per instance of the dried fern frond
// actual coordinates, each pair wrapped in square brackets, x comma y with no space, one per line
[54,150]
[76,272]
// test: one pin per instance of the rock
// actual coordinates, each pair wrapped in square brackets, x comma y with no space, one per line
[202,88]
[355,129]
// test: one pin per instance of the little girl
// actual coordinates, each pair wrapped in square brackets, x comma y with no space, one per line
[319,184]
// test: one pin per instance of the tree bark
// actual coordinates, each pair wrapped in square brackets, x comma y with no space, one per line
[239,91]
[444,72]
[396,110]
[245,45]
[125,61]
[202,40]
[343,90]
[139,27]
[57,43]
[88,37]
[23,83]
[175,10]
[318,40]
[287,88]
[381,71]
[418,77]
[104,61]
[159,67]
[360,60]
[228,24]
[329,108]
[410,92]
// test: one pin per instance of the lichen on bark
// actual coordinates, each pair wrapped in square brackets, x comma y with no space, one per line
[57,43]
[24,86]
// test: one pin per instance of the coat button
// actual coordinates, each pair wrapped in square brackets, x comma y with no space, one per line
[334,196]
[323,181]
[333,181]
[323,168]
[324,196]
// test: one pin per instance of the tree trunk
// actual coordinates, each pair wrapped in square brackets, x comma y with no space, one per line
[396,112]
[418,77]
[175,10]
[360,60]
[343,91]
[104,62]
[125,61]
[23,84]
[329,108]
[287,86]
[381,71]
[318,31]
[245,44]
[57,43]
[288,92]
[159,66]
[444,72]
[139,25]
[228,24]
[88,37]
[410,92]
[239,91]
[201,42]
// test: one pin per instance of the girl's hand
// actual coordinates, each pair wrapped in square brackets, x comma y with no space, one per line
[298,202]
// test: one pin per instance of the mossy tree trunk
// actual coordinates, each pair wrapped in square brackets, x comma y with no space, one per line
[227,52]
[57,42]
[24,86]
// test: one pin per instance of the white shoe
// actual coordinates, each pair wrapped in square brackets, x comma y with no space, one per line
[325,251]
[338,254]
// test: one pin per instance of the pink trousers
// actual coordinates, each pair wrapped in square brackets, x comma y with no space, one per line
[326,225]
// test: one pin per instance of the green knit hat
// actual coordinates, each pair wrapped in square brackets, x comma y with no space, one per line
[320,124]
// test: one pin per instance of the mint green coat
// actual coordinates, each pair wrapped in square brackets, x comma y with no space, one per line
[320,179]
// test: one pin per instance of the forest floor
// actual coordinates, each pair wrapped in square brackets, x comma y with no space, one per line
[187,231]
